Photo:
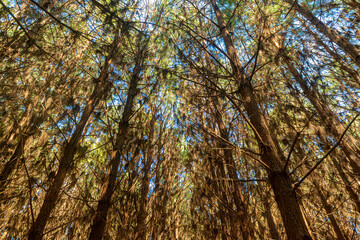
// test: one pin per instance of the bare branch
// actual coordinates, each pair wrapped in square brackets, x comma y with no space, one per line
[326,155]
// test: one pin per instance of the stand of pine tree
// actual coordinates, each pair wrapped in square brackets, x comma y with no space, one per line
[188,119]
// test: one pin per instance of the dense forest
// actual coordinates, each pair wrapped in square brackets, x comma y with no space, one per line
[180,119]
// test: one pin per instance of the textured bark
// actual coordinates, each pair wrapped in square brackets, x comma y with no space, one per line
[337,58]
[27,127]
[332,34]
[274,233]
[241,220]
[140,229]
[349,189]
[331,121]
[348,186]
[330,213]
[10,165]
[285,195]
[99,220]
[68,154]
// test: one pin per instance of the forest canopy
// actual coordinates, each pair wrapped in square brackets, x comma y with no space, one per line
[183,119]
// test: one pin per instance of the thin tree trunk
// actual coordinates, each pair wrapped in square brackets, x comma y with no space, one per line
[331,121]
[269,218]
[274,233]
[353,195]
[285,195]
[140,229]
[337,58]
[330,213]
[332,34]
[10,165]
[30,126]
[99,220]
[242,215]
[68,153]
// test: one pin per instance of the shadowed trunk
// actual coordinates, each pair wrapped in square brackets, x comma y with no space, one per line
[285,195]
[99,220]
[140,230]
[330,213]
[332,34]
[68,153]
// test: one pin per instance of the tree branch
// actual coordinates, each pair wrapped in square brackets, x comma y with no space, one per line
[326,155]
[23,28]
[294,142]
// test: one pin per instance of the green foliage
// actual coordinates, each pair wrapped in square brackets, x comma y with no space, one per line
[190,163]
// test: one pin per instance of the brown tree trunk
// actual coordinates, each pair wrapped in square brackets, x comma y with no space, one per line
[353,195]
[337,58]
[332,34]
[274,233]
[30,125]
[285,195]
[68,153]
[242,218]
[270,220]
[330,213]
[10,165]
[332,123]
[99,220]
[140,229]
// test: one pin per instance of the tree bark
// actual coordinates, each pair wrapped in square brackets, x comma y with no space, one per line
[354,74]
[68,153]
[330,213]
[99,220]
[285,195]
[353,195]
[241,217]
[331,121]
[332,34]
[140,230]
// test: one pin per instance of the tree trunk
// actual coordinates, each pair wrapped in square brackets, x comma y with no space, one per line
[140,230]
[99,220]
[332,123]
[353,195]
[330,213]
[10,165]
[241,218]
[30,124]
[285,195]
[332,34]
[337,58]
[68,153]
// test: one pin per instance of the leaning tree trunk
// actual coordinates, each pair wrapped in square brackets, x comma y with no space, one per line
[330,213]
[69,151]
[26,129]
[331,121]
[10,165]
[274,233]
[354,74]
[352,193]
[241,217]
[104,203]
[332,34]
[350,145]
[285,195]
[140,230]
